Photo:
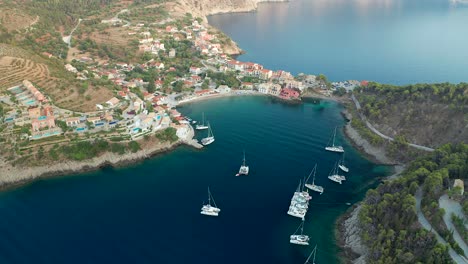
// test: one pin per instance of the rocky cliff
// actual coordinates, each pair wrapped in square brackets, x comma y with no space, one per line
[204,8]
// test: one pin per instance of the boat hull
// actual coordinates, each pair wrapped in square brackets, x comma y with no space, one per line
[335,149]
[207,141]
[335,179]
[209,213]
[314,188]
[343,168]
[201,127]
[295,239]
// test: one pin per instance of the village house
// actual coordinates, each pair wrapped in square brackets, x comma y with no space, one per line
[288,93]
[113,102]
[70,68]
[33,90]
[195,70]
[195,78]
[72,121]
[247,85]
[42,118]
[94,120]
[148,96]
[266,74]
[172,53]
[235,65]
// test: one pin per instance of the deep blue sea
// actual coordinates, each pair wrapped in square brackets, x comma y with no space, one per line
[150,212]
[389,41]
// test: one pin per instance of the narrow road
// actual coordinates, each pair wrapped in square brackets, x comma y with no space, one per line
[67,39]
[426,225]
[371,127]
[453,207]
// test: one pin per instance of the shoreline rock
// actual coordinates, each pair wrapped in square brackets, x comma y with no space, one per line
[349,239]
[18,176]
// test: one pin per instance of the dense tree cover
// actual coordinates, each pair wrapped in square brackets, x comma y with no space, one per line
[388,216]
[168,134]
[376,97]
[225,78]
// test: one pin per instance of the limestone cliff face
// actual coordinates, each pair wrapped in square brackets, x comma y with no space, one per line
[204,8]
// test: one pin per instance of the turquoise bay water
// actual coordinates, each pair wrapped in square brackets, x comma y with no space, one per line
[149,212]
[389,41]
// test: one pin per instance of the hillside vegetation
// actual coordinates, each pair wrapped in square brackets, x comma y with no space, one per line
[424,114]
[388,217]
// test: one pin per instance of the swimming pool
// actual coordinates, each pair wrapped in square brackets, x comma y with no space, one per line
[80,129]
[30,102]
[9,119]
[16,90]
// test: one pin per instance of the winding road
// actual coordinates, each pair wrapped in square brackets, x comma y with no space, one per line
[453,207]
[67,39]
[371,127]
[426,225]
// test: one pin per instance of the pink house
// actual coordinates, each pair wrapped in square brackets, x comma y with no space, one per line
[288,93]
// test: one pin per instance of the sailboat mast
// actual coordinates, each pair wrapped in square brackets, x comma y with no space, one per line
[244,159]
[315,252]
[313,177]
[209,196]
[334,133]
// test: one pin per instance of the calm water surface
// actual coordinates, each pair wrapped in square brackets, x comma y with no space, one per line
[149,213]
[390,41]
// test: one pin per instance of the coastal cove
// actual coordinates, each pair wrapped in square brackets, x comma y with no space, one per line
[142,212]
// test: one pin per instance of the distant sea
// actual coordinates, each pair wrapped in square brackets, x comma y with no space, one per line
[150,212]
[389,41]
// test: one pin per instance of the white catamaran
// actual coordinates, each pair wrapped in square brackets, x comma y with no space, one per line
[313,253]
[210,138]
[313,187]
[342,165]
[244,169]
[202,126]
[208,209]
[299,202]
[301,239]
[334,176]
[334,148]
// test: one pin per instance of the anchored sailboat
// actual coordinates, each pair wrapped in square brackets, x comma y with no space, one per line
[208,209]
[334,176]
[202,126]
[313,187]
[244,169]
[314,251]
[301,239]
[299,202]
[334,148]
[342,165]
[210,138]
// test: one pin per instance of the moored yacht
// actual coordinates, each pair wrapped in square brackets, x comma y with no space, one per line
[332,147]
[334,176]
[244,169]
[202,125]
[210,137]
[342,165]
[313,187]
[208,209]
[299,202]
[299,239]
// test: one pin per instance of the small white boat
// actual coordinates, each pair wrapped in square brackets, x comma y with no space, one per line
[210,138]
[244,169]
[342,165]
[208,209]
[201,126]
[334,148]
[301,239]
[313,253]
[313,187]
[334,176]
